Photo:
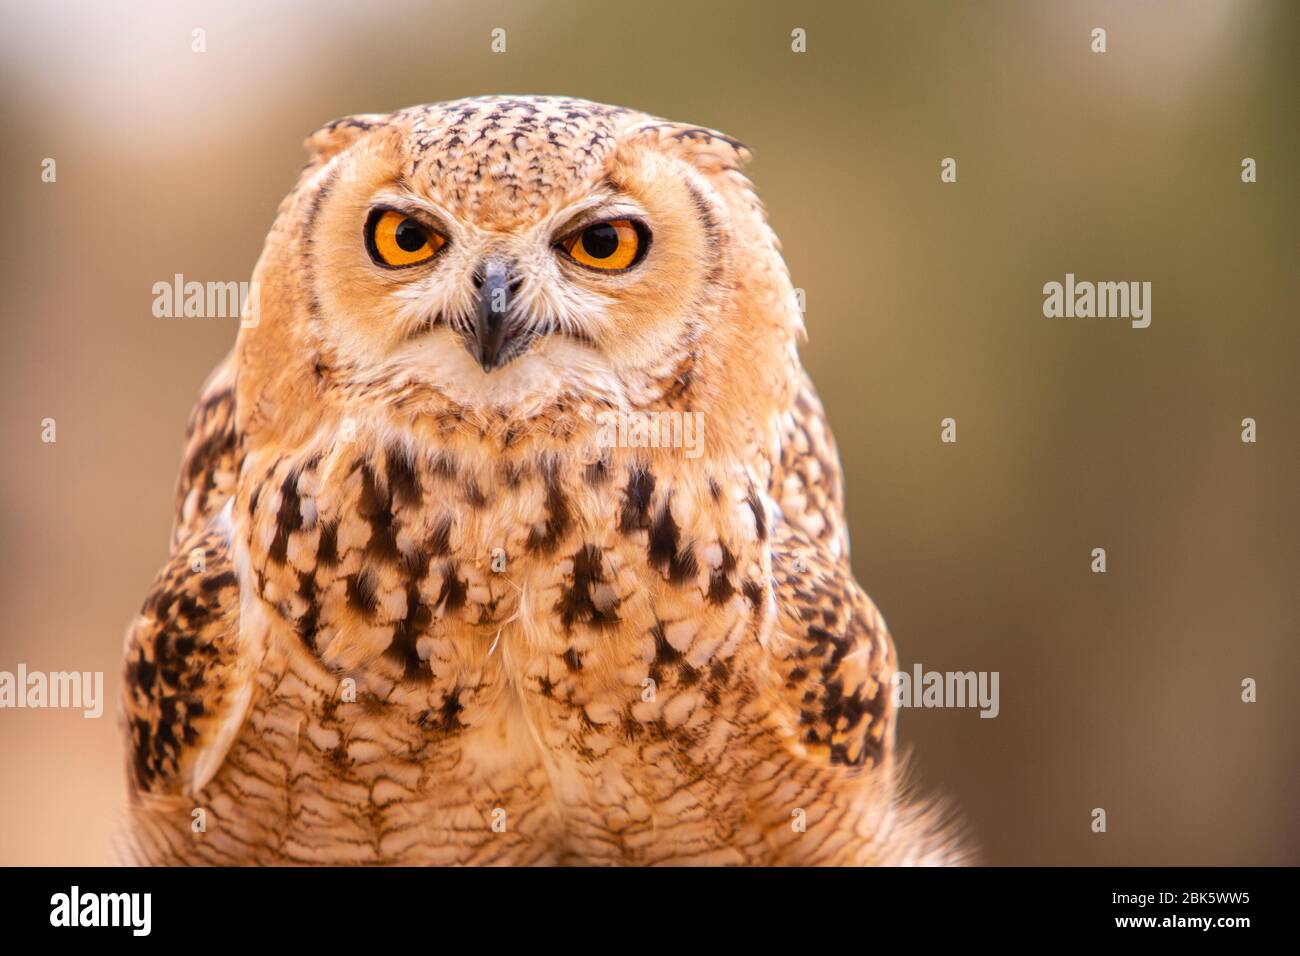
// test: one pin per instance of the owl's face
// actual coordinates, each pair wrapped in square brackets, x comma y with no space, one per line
[512,254]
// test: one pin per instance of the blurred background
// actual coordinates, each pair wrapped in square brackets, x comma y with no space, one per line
[924,301]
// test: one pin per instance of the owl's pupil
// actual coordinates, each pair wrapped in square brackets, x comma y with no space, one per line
[600,241]
[409,236]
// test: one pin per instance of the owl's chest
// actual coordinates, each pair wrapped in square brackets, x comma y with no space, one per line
[421,573]
[571,634]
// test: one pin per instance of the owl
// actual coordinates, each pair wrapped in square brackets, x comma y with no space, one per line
[511,531]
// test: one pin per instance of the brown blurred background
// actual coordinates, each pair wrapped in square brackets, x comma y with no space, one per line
[1119,691]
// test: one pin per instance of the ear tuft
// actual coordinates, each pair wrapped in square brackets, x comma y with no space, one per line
[337,136]
[708,149]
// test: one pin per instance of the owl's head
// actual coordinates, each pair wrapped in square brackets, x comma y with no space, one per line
[501,257]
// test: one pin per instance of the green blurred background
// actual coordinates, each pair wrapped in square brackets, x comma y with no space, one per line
[1119,691]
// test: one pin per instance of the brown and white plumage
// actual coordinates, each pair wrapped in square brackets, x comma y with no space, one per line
[675,664]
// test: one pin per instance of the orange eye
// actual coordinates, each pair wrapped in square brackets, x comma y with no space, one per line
[396,241]
[617,244]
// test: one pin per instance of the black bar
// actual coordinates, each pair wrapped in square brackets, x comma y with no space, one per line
[561,908]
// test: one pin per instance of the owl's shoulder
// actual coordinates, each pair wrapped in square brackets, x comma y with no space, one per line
[807,484]
[209,463]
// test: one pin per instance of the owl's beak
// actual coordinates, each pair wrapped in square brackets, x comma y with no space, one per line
[497,330]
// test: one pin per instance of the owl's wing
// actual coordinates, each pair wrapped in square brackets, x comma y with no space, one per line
[209,465]
[833,654]
[833,650]
[186,688]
